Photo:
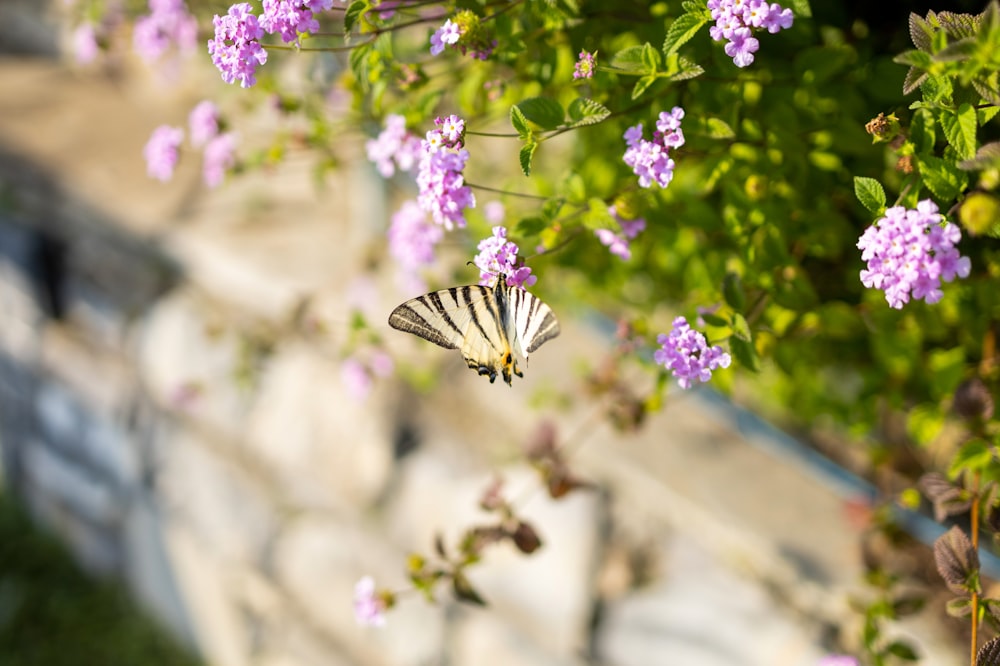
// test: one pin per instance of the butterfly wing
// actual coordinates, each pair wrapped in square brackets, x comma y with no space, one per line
[464,318]
[534,323]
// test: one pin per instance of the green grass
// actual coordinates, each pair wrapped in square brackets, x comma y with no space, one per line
[52,614]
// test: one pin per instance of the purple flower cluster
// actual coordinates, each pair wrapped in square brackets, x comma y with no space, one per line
[85,47]
[650,160]
[585,66]
[203,122]
[236,48]
[838,660]
[909,252]
[369,607]
[289,18]
[447,35]
[464,33]
[359,378]
[219,156]
[735,20]
[442,189]
[162,152]
[497,255]
[618,242]
[686,354]
[394,147]
[168,24]
[412,238]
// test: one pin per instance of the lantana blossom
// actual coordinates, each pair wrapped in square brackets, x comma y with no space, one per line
[369,607]
[162,151]
[735,21]
[650,160]
[442,189]
[412,240]
[236,49]
[686,354]
[618,242]
[290,18]
[203,121]
[169,24]
[585,66]
[395,147]
[219,156]
[447,35]
[909,252]
[497,256]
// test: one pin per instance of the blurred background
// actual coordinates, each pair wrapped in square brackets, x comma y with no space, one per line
[195,470]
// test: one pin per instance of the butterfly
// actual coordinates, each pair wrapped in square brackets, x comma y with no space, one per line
[493,327]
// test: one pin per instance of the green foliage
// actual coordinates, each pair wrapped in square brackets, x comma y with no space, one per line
[53,614]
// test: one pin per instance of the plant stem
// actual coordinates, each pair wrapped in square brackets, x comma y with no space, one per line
[974,527]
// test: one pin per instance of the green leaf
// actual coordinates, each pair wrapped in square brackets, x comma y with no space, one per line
[651,58]
[583,111]
[943,178]
[543,111]
[956,51]
[629,61]
[745,354]
[597,215]
[870,193]
[531,226]
[917,59]
[741,328]
[520,123]
[801,9]
[355,11]
[713,128]
[526,154]
[960,129]
[987,157]
[641,85]
[902,650]
[973,456]
[732,292]
[684,69]
[682,30]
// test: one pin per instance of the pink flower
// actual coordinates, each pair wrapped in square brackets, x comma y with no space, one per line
[494,212]
[169,24]
[650,160]
[442,189]
[289,18]
[585,66]
[394,147]
[447,35]
[236,48]
[220,155]
[497,256]
[618,243]
[412,239]
[686,354]
[162,152]
[369,607]
[741,47]
[357,379]
[85,47]
[203,121]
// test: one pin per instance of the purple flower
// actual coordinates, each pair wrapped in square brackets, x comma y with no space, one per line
[394,147]
[442,189]
[452,129]
[161,152]
[686,354]
[412,237]
[585,66]
[734,20]
[838,660]
[203,121]
[909,252]
[359,383]
[220,155]
[650,160]
[369,607]
[618,243]
[168,24]
[777,18]
[85,47]
[741,47]
[289,18]
[447,35]
[497,255]
[494,212]
[236,48]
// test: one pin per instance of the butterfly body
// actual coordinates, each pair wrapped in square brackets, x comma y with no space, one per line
[493,327]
